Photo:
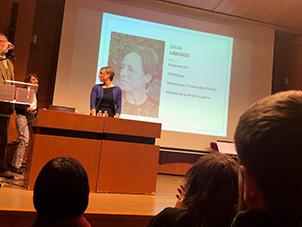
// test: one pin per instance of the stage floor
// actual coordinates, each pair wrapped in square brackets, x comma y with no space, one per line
[18,199]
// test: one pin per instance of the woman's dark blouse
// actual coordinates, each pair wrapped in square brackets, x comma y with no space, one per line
[107,102]
[96,97]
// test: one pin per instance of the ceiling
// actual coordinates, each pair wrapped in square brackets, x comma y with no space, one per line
[284,15]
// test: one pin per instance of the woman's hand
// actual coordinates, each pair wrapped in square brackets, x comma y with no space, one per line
[117,115]
[180,195]
[30,110]
[93,112]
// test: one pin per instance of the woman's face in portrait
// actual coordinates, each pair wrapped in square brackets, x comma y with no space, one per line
[132,75]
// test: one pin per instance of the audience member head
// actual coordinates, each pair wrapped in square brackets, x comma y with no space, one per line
[61,189]
[268,141]
[211,191]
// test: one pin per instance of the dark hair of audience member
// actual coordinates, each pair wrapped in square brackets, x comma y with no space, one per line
[268,141]
[61,189]
[211,192]
[29,75]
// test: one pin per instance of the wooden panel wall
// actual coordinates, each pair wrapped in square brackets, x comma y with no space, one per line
[24,27]
[44,51]
[5,10]
[287,64]
[42,18]
[292,69]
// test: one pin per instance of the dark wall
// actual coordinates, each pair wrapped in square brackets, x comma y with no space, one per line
[287,68]
[19,31]
[34,26]
[44,51]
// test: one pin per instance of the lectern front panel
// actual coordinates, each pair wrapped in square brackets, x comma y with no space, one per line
[45,147]
[128,167]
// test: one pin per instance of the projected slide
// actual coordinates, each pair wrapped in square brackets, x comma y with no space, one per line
[172,75]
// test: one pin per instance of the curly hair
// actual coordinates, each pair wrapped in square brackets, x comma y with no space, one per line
[211,192]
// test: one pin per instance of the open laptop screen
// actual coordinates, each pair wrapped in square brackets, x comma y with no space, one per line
[226,147]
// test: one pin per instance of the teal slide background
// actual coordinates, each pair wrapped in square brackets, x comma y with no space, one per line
[196,74]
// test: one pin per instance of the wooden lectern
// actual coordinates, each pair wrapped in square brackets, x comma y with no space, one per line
[119,155]
[12,93]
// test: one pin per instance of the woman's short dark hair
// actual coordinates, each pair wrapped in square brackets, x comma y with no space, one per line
[61,189]
[211,192]
[29,75]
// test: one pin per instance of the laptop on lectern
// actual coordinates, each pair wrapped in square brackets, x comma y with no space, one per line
[226,147]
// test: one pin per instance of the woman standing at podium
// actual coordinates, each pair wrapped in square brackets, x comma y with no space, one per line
[106,98]
[25,116]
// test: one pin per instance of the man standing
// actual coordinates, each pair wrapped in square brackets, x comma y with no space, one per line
[6,109]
